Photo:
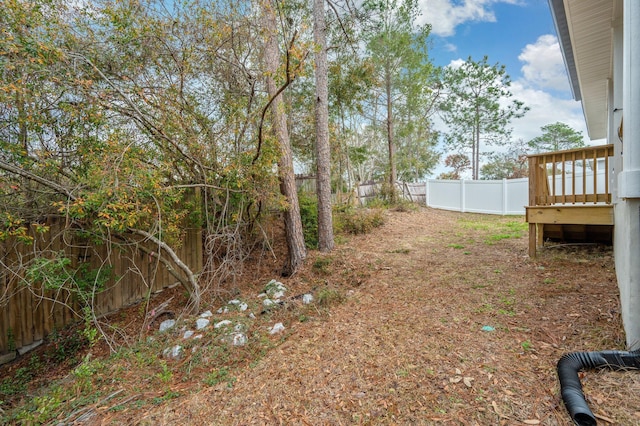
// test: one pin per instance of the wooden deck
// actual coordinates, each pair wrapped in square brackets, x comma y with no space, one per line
[569,196]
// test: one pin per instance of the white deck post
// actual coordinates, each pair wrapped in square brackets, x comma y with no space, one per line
[627,211]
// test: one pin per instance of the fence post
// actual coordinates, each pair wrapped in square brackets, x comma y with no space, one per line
[505,196]
[426,192]
[463,196]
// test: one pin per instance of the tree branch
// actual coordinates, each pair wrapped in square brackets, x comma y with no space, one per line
[28,175]
[290,77]
[194,292]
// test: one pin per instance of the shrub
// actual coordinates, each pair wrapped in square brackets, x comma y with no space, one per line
[309,217]
[327,297]
[359,221]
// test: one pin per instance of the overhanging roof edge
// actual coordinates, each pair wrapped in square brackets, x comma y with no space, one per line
[562,30]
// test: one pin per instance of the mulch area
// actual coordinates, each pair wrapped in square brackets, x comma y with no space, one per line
[442,318]
[408,346]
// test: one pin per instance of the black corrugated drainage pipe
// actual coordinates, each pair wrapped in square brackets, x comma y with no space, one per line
[570,386]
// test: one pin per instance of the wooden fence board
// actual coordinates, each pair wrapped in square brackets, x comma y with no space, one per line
[29,314]
[4,298]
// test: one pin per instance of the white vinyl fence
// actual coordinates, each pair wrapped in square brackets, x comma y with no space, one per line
[503,197]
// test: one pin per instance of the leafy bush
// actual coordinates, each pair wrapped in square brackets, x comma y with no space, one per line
[327,297]
[322,265]
[309,217]
[359,221]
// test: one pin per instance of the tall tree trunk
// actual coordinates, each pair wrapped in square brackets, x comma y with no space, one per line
[390,140]
[323,152]
[297,251]
[475,162]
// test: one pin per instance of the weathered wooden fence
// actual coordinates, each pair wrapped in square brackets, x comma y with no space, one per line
[29,312]
[412,191]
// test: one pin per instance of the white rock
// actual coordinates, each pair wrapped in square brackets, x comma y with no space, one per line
[198,336]
[275,289]
[187,334]
[307,298]
[173,352]
[201,323]
[239,339]
[206,314]
[167,324]
[222,323]
[240,304]
[267,302]
[252,315]
[277,328]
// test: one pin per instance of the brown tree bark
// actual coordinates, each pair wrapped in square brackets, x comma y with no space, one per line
[297,251]
[393,197]
[323,152]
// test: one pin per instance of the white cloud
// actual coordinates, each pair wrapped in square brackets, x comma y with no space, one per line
[543,64]
[544,109]
[456,63]
[543,77]
[445,15]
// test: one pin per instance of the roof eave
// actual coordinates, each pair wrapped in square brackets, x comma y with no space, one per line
[562,30]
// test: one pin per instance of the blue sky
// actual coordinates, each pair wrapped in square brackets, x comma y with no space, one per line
[519,34]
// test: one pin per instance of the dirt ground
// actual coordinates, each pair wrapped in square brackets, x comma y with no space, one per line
[405,341]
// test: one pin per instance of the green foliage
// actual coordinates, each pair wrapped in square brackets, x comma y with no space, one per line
[459,163]
[556,137]
[477,108]
[404,88]
[322,265]
[11,339]
[328,297]
[53,273]
[40,410]
[218,376]
[56,273]
[512,164]
[65,345]
[165,375]
[84,373]
[359,221]
[309,216]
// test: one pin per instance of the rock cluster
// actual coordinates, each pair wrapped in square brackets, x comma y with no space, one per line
[234,333]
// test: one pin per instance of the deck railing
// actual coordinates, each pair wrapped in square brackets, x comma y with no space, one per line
[572,177]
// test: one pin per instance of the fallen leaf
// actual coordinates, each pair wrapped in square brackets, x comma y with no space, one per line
[467,381]
[531,422]
[495,408]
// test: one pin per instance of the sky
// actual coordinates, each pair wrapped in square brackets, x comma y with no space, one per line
[519,34]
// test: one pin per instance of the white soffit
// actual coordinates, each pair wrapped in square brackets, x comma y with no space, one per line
[590,25]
